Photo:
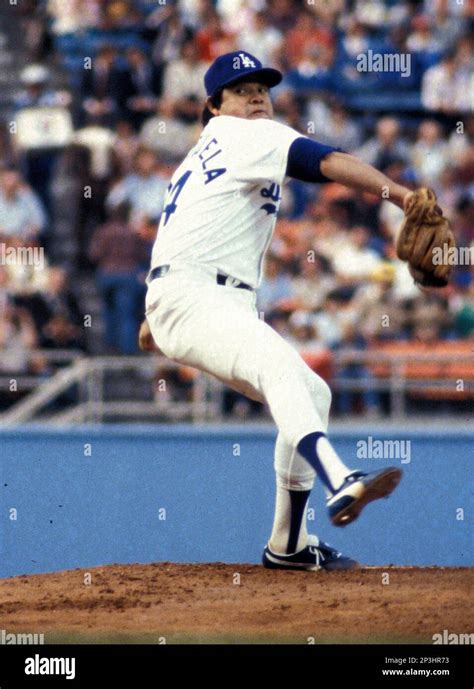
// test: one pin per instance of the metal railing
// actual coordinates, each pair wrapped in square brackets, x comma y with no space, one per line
[204,403]
[52,358]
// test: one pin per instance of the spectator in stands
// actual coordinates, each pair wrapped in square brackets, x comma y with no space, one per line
[100,141]
[313,73]
[305,34]
[356,372]
[429,318]
[448,189]
[328,236]
[371,13]
[18,339]
[144,189]
[353,42]
[464,224]
[447,87]
[461,148]
[312,283]
[44,126]
[59,333]
[465,217]
[448,25]
[213,40]
[287,110]
[125,147]
[167,136]
[93,160]
[465,58]
[462,307]
[276,290]
[170,33]
[303,334]
[184,83]
[282,14]
[102,93]
[118,252]
[21,213]
[141,86]
[429,155]
[6,293]
[336,128]
[428,333]
[70,16]
[328,13]
[329,321]
[380,314]
[261,38]
[423,38]
[121,14]
[386,146]
[35,92]
[354,262]
[55,312]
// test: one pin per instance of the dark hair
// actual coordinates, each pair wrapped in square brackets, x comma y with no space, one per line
[216,102]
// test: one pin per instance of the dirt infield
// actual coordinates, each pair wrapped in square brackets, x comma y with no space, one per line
[221,603]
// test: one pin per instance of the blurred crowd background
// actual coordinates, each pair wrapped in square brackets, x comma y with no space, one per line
[101,99]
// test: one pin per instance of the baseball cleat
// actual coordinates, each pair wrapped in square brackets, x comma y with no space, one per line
[358,490]
[315,556]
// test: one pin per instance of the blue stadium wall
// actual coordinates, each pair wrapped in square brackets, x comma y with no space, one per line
[90,496]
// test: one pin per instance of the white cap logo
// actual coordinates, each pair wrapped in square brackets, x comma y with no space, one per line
[246,61]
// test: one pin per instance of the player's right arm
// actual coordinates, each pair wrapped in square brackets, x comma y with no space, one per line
[145,338]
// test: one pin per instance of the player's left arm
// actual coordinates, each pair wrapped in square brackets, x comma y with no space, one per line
[354,173]
[311,161]
[425,233]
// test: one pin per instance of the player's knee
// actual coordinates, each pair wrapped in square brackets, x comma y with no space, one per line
[321,392]
[296,480]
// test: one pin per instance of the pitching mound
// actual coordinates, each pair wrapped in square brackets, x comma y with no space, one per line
[220,603]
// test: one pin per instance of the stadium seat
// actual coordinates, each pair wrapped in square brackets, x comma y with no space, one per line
[449,370]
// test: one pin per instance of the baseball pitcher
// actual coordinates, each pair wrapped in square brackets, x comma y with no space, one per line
[217,223]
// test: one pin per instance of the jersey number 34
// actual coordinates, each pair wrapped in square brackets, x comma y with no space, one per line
[173,195]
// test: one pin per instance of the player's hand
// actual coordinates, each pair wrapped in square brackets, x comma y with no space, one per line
[145,338]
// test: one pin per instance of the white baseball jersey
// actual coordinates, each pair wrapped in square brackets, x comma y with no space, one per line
[222,202]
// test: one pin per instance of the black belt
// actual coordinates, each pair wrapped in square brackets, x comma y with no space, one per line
[221,279]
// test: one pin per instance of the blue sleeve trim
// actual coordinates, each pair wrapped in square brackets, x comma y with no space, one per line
[304,158]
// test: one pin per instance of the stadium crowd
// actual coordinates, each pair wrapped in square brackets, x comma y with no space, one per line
[130,108]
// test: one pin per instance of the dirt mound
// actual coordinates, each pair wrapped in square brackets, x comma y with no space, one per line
[221,603]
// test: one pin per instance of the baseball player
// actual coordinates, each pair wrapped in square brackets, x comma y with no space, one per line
[217,223]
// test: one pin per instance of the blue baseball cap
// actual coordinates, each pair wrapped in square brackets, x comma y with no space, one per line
[230,68]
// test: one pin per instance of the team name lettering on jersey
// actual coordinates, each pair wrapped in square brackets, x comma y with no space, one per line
[273,193]
[205,155]
[226,224]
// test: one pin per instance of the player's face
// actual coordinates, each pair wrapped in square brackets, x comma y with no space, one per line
[249,100]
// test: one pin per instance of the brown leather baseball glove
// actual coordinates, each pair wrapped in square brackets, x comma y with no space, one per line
[425,239]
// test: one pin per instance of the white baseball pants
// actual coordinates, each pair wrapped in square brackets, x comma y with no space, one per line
[217,329]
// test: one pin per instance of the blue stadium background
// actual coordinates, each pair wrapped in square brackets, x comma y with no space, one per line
[82,511]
